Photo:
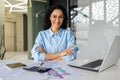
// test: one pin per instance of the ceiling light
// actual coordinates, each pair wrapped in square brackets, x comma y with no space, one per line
[16,5]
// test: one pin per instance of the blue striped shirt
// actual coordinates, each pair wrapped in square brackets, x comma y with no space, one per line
[54,43]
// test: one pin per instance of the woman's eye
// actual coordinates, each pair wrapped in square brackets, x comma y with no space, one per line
[54,16]
[61,17]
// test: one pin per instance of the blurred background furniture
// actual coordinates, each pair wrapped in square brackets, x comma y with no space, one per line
[2,45]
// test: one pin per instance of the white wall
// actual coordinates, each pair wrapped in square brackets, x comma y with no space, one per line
[1,12]
[95,32]
[1,17]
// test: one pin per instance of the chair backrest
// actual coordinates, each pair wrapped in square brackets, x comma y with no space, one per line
[2,46]
[0,36]
[2,53]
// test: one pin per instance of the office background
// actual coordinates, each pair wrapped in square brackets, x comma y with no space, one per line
[93,22]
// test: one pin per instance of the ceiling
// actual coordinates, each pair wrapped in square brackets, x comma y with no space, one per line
[16,6]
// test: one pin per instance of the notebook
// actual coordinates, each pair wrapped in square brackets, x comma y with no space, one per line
[111,58]
[15,65]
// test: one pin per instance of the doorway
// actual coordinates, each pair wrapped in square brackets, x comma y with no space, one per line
[10,36]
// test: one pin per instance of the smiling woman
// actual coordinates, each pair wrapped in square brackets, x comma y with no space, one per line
[56,19]
[55,42]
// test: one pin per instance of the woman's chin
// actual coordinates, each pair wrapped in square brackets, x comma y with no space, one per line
[57,27]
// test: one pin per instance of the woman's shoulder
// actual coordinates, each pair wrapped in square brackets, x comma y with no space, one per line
[67,30]
[43,31]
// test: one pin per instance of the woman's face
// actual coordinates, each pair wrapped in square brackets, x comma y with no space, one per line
[56,18]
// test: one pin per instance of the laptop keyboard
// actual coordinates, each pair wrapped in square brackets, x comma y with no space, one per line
[93,64]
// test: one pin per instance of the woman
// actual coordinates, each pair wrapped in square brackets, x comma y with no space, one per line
[55,42]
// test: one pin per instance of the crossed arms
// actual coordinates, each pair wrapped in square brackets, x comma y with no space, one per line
[56,56]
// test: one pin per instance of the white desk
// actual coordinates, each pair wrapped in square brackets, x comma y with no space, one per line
[112,73]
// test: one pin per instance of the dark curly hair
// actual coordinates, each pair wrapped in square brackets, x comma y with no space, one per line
[47,22]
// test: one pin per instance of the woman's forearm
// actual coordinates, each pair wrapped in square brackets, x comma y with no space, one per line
[55,56]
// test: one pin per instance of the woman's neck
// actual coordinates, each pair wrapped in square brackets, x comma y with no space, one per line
[54,30]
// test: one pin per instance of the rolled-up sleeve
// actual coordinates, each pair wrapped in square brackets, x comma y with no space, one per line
[71,42]
[36,54]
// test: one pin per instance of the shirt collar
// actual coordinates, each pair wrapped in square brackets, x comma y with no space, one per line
[52,34]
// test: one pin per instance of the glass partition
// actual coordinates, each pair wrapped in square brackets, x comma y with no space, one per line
[95,23]
[36,11]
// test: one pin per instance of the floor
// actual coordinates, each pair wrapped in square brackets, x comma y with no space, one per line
[16,56]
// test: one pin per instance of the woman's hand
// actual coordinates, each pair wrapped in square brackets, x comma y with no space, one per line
[67,51]
[49,56]
[41,49]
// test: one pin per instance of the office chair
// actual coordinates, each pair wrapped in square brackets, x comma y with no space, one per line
[2,52]
[2,43]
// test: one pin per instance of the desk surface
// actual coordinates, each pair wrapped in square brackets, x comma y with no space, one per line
[112,73]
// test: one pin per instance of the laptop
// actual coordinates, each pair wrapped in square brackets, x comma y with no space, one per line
[111,58]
